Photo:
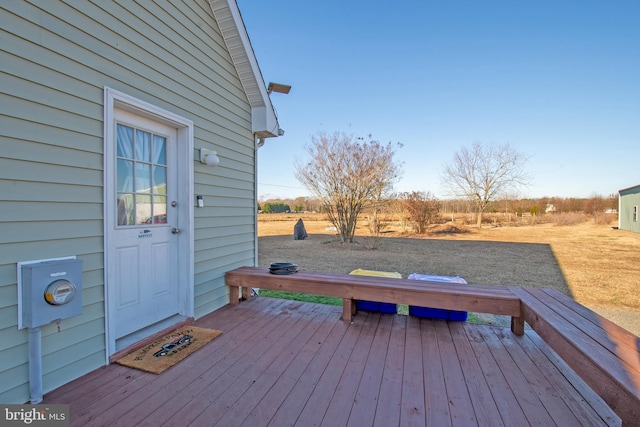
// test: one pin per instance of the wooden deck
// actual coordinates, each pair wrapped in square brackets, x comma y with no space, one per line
[282,363]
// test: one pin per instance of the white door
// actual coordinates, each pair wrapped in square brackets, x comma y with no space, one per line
[144,287]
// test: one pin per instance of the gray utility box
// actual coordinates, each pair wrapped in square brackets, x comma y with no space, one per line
[51,291]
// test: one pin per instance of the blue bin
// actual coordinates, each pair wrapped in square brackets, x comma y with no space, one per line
[438,313]
[431,313]
[382,307]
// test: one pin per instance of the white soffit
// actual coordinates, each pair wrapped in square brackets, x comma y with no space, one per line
[264,122]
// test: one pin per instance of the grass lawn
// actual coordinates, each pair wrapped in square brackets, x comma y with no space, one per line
[318,299]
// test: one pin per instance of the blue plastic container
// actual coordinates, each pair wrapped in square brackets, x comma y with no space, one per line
[438,313]
[382,307]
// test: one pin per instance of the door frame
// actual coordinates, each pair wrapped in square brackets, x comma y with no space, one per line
[114,99]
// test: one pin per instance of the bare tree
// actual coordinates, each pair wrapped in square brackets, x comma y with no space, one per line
[420,208]
[347,175]
[485,173]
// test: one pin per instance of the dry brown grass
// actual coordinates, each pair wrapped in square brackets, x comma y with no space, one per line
[594,263]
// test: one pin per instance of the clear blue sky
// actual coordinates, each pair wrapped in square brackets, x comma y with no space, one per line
[558,80]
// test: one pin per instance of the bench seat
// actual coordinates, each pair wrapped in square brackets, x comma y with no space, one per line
[604,355]
[476,298]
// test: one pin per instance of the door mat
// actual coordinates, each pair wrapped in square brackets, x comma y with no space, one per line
[161,354]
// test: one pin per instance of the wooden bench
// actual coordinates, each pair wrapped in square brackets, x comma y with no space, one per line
[476,298]
[604,355]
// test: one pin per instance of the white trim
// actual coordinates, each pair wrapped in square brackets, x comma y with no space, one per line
[619,211]
[264,121]
[115,99]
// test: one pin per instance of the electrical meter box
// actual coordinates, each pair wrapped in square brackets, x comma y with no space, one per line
[51,291]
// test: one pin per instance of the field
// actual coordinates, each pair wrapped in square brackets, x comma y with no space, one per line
[596,264]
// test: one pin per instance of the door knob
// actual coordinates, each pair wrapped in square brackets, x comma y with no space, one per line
[175,230]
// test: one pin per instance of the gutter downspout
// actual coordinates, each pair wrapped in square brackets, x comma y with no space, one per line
[259,143]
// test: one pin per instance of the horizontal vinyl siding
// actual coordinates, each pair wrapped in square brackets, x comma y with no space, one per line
[628,199]
[55,61]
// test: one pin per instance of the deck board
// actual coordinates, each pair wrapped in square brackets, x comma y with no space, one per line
[548,395]
[282,363]
[524,392]
[510,412]
[239,376]
[369,387]
[484,406]
[285,383]
[412,404]
[317,404]
[566,380]
[180,389]
[387,412]
[281,366]
[345,391]
[460,405]
[289,411]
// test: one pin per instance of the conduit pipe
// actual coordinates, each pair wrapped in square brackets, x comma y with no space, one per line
[35,365]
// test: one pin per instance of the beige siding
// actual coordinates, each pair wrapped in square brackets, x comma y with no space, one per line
[55,60]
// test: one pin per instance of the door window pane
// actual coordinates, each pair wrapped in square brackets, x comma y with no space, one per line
[159,150]
[125,141]
[141,177]
[144,212]
[125,176]
[160,180]
[143,146]
[159,210]
[125,212]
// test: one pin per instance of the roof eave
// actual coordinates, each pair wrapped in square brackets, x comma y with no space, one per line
[629,188]
[264,122]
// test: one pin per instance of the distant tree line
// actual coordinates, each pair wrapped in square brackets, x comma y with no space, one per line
[544,205]
[422,208]
[274,207]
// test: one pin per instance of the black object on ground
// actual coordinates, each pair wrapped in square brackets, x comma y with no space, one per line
[299,233]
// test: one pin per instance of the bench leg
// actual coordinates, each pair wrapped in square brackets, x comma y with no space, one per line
[347,309]
[246,293]
[517,325]
[234,295]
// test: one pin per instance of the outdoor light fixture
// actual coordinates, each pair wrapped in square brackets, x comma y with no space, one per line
[280,88]
[277,87]
[209,157]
